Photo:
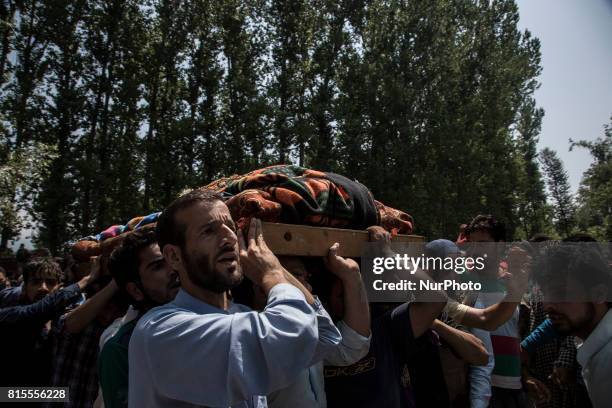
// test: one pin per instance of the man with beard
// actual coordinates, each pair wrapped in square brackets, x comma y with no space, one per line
[202,349]
[24,326]
[576,283]
[141,272]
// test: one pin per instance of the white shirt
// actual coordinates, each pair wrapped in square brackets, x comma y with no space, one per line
[595,357]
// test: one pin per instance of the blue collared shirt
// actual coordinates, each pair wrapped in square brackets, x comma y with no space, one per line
[308,391]
[188,353]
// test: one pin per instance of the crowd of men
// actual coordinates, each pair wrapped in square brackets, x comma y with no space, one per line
[198,313]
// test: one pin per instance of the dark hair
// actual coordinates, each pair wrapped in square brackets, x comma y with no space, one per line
[585,263]
[580,237]
[490,224]
[540,237]
[169,230]
[97,285]
[124,262]
[44,265]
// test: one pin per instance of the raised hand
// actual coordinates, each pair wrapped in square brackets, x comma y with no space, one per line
[258,262]
[344,268]
[519,265]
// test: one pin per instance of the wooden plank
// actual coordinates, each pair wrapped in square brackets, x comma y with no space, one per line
[305,240]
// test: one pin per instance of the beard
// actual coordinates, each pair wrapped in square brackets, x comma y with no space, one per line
[201,271]
[151,300]
[567,327]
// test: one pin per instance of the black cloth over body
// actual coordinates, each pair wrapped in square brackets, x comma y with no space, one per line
[365,213]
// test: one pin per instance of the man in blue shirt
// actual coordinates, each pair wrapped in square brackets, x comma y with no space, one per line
[202,349]
[23,326]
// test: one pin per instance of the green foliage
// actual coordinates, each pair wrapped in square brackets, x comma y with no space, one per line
[20,178]
[595,193]
[430,104]
[534,215]
[560,192]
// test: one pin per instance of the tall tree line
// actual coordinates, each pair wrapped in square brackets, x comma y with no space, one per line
[429,104]
[560,192]
[594,213]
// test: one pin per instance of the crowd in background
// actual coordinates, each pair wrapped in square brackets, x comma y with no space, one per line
[196,312]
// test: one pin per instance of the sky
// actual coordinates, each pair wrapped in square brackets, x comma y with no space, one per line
[576,79]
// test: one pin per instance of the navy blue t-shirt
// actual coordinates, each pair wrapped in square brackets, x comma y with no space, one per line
[383,377]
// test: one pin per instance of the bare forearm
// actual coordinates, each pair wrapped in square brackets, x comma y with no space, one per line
[422,315]
[500,313]
[356,307]
[82,316]
[467,346]
[490,318]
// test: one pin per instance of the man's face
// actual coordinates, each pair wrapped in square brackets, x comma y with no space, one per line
[40,285]
[159,281]
[210,254]
[569,318]
[566,303]
[487,250]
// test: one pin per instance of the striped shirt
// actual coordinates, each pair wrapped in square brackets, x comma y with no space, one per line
[506,347]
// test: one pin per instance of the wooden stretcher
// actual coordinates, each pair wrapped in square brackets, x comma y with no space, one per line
[305,240]
[282,239]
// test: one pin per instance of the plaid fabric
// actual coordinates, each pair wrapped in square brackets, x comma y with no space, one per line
[75,359]
[560,352]
[298,195]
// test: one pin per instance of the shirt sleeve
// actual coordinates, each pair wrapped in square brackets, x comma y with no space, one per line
[43,310]
[353,347]
[218,359]
[329,335]
[10,296]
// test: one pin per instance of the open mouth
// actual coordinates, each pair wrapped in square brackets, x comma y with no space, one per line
[227,257]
